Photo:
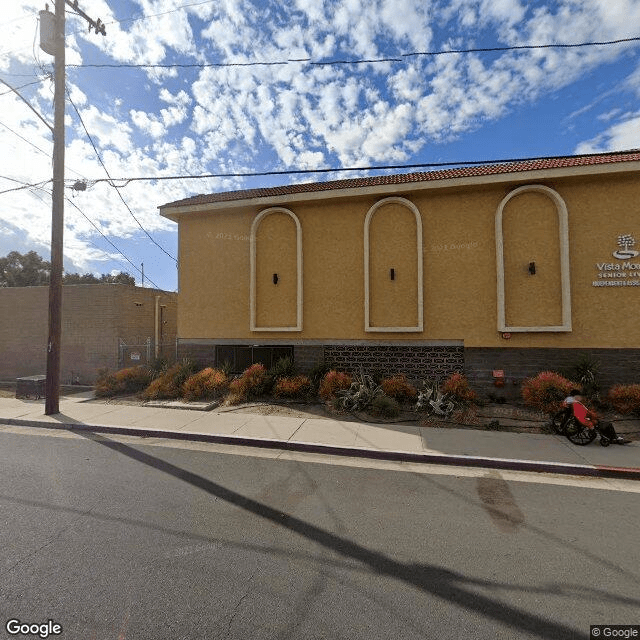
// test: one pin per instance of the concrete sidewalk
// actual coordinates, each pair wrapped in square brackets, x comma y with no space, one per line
[451,446]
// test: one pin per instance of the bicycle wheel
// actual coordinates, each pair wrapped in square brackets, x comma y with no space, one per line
[558,422]
[579,434]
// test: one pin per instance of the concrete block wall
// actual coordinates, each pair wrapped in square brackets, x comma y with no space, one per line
[306,357]
[94,317]
[615,366]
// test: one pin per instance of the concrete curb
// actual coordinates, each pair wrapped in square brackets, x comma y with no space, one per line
[600,471]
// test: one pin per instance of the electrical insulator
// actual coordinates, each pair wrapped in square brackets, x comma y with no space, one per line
[48,32]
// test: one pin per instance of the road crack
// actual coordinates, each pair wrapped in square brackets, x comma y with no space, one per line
[234,613]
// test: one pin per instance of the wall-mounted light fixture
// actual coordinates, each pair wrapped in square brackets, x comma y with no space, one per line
[392,273]
[275,278]
[532,268]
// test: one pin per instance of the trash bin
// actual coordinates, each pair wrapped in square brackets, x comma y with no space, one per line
[31,387]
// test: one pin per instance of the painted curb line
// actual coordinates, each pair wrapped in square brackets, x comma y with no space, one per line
[540,466]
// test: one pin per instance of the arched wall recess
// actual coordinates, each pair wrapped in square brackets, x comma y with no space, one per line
[253,261]
[563,231]
[418,327]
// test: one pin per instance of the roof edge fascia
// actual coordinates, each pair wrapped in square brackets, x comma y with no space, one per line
[174,213]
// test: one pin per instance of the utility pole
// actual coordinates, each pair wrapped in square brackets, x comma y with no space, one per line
[57,220]
[52,400]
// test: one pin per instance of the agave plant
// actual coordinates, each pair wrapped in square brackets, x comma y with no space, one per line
[432,400]
[360,395]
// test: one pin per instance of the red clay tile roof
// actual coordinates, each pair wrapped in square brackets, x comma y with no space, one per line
[516,166]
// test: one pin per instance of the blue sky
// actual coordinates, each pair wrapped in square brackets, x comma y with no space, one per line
[242,118]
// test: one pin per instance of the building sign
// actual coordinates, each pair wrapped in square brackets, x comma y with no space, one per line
[625,270]
[135,355]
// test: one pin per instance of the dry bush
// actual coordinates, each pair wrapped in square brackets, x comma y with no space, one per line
[332,382]
[399,388]
[122,382]
[207,384]
[546,391]
[295,387]
[625,398]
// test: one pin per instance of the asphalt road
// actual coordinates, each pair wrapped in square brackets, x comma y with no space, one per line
[120,539]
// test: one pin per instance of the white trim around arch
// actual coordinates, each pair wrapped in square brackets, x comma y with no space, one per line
[563,228]
[367,320]
[252,281]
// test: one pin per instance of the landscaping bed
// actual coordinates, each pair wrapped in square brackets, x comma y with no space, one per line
[391,399]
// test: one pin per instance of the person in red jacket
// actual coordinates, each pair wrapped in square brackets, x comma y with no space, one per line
[590,418]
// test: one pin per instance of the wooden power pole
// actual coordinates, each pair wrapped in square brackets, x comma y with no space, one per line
[52,400]
[57,219]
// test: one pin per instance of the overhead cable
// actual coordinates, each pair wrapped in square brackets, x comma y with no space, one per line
[110,180]
[386,167]
[401,58]
[71,202]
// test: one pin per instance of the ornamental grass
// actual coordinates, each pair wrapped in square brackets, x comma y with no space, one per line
[625,398]
[296,387]
[168,386]
[456,386]
[123,382]
[332,382]
[399,388]
[250,384]
[207,384]
[546,391]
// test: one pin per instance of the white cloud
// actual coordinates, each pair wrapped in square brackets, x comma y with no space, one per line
[242,118]
[148,123]
[619,137]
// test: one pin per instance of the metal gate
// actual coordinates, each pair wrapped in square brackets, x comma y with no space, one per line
[134,353]
[140,351]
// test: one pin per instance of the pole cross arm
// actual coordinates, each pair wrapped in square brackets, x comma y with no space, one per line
[98,25]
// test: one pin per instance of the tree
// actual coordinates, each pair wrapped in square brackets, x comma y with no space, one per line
[28,270]
[119,278]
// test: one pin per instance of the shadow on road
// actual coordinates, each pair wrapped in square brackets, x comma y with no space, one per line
[443,583]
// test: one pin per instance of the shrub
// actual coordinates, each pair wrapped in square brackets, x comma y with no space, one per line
[296,387]
[385,406]
[169,385]
[332,382]
[432,400]
[585,373]
[399,388]
[360,395]
[283,368]
[456,387]
[625,398]
[249,384]
[546,391]
[207,384]
[125,381]
[318,372]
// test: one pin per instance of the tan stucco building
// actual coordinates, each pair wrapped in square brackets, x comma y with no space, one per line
[103,326]
[515,267]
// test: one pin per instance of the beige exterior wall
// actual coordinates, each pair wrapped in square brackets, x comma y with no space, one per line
[459,262]
[94,319]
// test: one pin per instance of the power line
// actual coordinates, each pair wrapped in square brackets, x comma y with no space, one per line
[35,185]
[4,93]
[111,180]
[163,13]
[27,103]
[386,167]
[35,146]
[71,202]
[402,57]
